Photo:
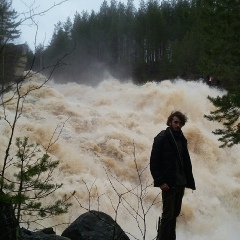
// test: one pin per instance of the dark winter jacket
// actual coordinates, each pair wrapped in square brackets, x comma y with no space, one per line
[163,160]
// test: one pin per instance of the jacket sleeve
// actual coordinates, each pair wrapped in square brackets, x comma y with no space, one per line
[155,160]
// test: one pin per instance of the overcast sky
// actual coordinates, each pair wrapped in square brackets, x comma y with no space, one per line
[46,22]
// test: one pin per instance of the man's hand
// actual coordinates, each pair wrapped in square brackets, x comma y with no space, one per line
[164,187]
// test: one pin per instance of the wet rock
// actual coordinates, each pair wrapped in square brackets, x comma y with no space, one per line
[94,225]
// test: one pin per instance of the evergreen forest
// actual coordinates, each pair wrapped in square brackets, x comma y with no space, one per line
[159,40]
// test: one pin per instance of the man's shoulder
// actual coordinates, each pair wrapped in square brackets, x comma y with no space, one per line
[162,134]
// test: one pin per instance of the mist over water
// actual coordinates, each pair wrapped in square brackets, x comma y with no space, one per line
[107,127]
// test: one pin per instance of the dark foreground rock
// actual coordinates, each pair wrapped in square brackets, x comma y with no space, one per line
[8,221]
[45,234]
[94,225]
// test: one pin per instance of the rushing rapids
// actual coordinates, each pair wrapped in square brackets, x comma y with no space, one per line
[106,134]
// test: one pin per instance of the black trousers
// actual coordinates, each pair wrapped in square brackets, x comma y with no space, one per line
[172,202]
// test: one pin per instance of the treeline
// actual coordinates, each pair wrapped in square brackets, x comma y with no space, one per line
[159,40]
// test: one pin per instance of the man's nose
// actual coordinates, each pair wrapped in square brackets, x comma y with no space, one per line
[179,125]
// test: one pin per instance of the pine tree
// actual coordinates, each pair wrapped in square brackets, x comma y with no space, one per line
[221,23]
[31,183]
[8,33]
[8,23]
[228,112]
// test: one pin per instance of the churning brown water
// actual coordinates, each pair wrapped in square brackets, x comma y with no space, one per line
[109,128]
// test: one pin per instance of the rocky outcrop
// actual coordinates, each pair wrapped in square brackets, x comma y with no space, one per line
[45,234]
[13,61]
[94,225]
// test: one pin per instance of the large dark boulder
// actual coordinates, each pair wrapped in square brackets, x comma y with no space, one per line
[94,225]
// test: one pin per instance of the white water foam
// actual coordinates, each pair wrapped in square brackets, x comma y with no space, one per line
[107,127]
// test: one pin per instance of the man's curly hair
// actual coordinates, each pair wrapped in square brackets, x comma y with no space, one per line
[178,114]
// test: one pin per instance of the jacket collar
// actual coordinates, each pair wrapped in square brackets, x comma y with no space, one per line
[177,135]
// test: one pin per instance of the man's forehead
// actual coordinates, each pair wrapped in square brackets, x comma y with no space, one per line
[175,118]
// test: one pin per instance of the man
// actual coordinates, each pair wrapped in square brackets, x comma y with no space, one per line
[171,169]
